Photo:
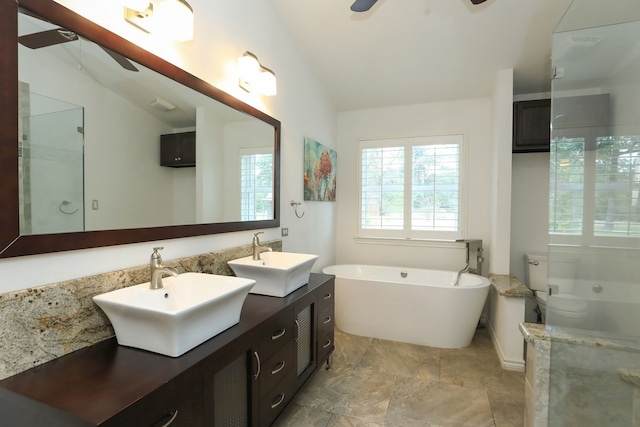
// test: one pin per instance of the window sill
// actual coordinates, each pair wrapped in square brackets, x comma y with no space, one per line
[396,241]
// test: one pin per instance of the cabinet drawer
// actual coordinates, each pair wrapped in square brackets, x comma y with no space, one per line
[275,401]
[325,345]
[326,321]
[276,368]
[326,296]
[275,333]
[178,402]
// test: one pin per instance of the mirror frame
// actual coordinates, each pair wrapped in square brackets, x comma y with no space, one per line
[12,244]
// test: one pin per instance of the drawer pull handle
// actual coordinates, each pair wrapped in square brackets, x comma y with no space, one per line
[280,400]
[279,333]
[280,367]
[163,422]
[327,344]
[327,320]
[257,374]
[297,325]
[327,296]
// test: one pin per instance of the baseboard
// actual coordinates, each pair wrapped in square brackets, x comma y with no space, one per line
[509,365]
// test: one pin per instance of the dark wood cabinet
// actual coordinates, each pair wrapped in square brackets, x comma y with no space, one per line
[245,376]
[531,126]
[326,321]
[178,150]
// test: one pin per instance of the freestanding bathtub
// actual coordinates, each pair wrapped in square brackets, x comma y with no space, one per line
[410,305]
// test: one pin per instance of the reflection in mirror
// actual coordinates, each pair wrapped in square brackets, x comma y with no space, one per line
[92,124]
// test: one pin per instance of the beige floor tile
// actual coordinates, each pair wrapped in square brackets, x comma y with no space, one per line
[507,409]
[419,402]
[349,348]
[302,416]
[342,421]
[358,393]
[377,383]
[406,360]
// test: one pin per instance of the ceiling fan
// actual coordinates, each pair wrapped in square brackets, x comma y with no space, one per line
[60,35]
[364,5]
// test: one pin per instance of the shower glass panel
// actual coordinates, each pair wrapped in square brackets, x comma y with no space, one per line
[593,310]
[52,171]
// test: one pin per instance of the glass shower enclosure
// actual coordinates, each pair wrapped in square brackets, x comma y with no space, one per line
[51,170]
[593,311]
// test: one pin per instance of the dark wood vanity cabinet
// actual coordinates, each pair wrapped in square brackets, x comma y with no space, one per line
[178,150]
[244,376]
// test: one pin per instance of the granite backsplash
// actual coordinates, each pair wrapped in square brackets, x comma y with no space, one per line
[43,323]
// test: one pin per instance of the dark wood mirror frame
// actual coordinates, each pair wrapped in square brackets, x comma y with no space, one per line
[12,244]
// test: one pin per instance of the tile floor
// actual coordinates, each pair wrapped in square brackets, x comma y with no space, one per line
[377,383]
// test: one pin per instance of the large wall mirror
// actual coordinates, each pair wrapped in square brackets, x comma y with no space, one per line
[104,143]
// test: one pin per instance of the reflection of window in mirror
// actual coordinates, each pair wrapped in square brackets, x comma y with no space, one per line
[256,183]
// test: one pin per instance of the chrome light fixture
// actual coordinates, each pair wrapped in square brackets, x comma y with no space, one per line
[255,77]
[173,18]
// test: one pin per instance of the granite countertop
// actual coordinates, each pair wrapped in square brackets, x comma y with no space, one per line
[537,332]
[509,286]
[630,376]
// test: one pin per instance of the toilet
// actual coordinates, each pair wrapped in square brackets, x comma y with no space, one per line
[561,308]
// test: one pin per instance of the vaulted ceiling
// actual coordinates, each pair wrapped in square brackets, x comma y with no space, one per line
[405,52]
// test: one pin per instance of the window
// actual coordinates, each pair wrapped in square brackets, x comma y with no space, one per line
[256,184]
[605,171]
[411,187]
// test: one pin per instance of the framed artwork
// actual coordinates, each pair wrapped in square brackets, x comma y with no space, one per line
[320,164]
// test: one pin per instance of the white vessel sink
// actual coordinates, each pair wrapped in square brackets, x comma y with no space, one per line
[276,273]
[187,311]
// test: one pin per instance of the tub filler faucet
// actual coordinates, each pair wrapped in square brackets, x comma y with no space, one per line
[473,265]
[158,270]
[257,248]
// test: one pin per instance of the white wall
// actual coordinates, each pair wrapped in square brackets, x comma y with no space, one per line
[471,117]
[223,31]
[502,120]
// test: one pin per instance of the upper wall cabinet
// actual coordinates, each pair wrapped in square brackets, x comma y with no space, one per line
[531,126]
[573,116]
[178,150]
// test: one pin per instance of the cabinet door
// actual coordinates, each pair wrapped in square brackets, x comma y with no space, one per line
[230,392]
[178,149]
[306,331]
[531,126]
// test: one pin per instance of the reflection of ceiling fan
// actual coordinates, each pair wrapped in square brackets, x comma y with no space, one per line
[364,5]
[60,35]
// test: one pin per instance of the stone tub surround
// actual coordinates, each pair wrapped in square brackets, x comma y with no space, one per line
[509,286]
[593,384]
[43,323]
[506,309]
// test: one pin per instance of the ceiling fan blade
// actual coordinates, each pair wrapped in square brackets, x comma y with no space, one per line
[120,59]
[47,38]
[362,5]
[477,1]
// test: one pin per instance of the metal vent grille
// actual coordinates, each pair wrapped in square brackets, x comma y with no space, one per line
[231,394]
[304,339]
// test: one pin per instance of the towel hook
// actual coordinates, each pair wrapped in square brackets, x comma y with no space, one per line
[64,204]
[295,208]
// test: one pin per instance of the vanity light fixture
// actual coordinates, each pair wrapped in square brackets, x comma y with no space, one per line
[139,13]
[173,18]
[254,77]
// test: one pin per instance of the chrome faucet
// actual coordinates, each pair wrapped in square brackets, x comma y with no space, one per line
[257,248]
[158,270]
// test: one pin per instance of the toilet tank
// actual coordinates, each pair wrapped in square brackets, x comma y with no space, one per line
[536,271]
